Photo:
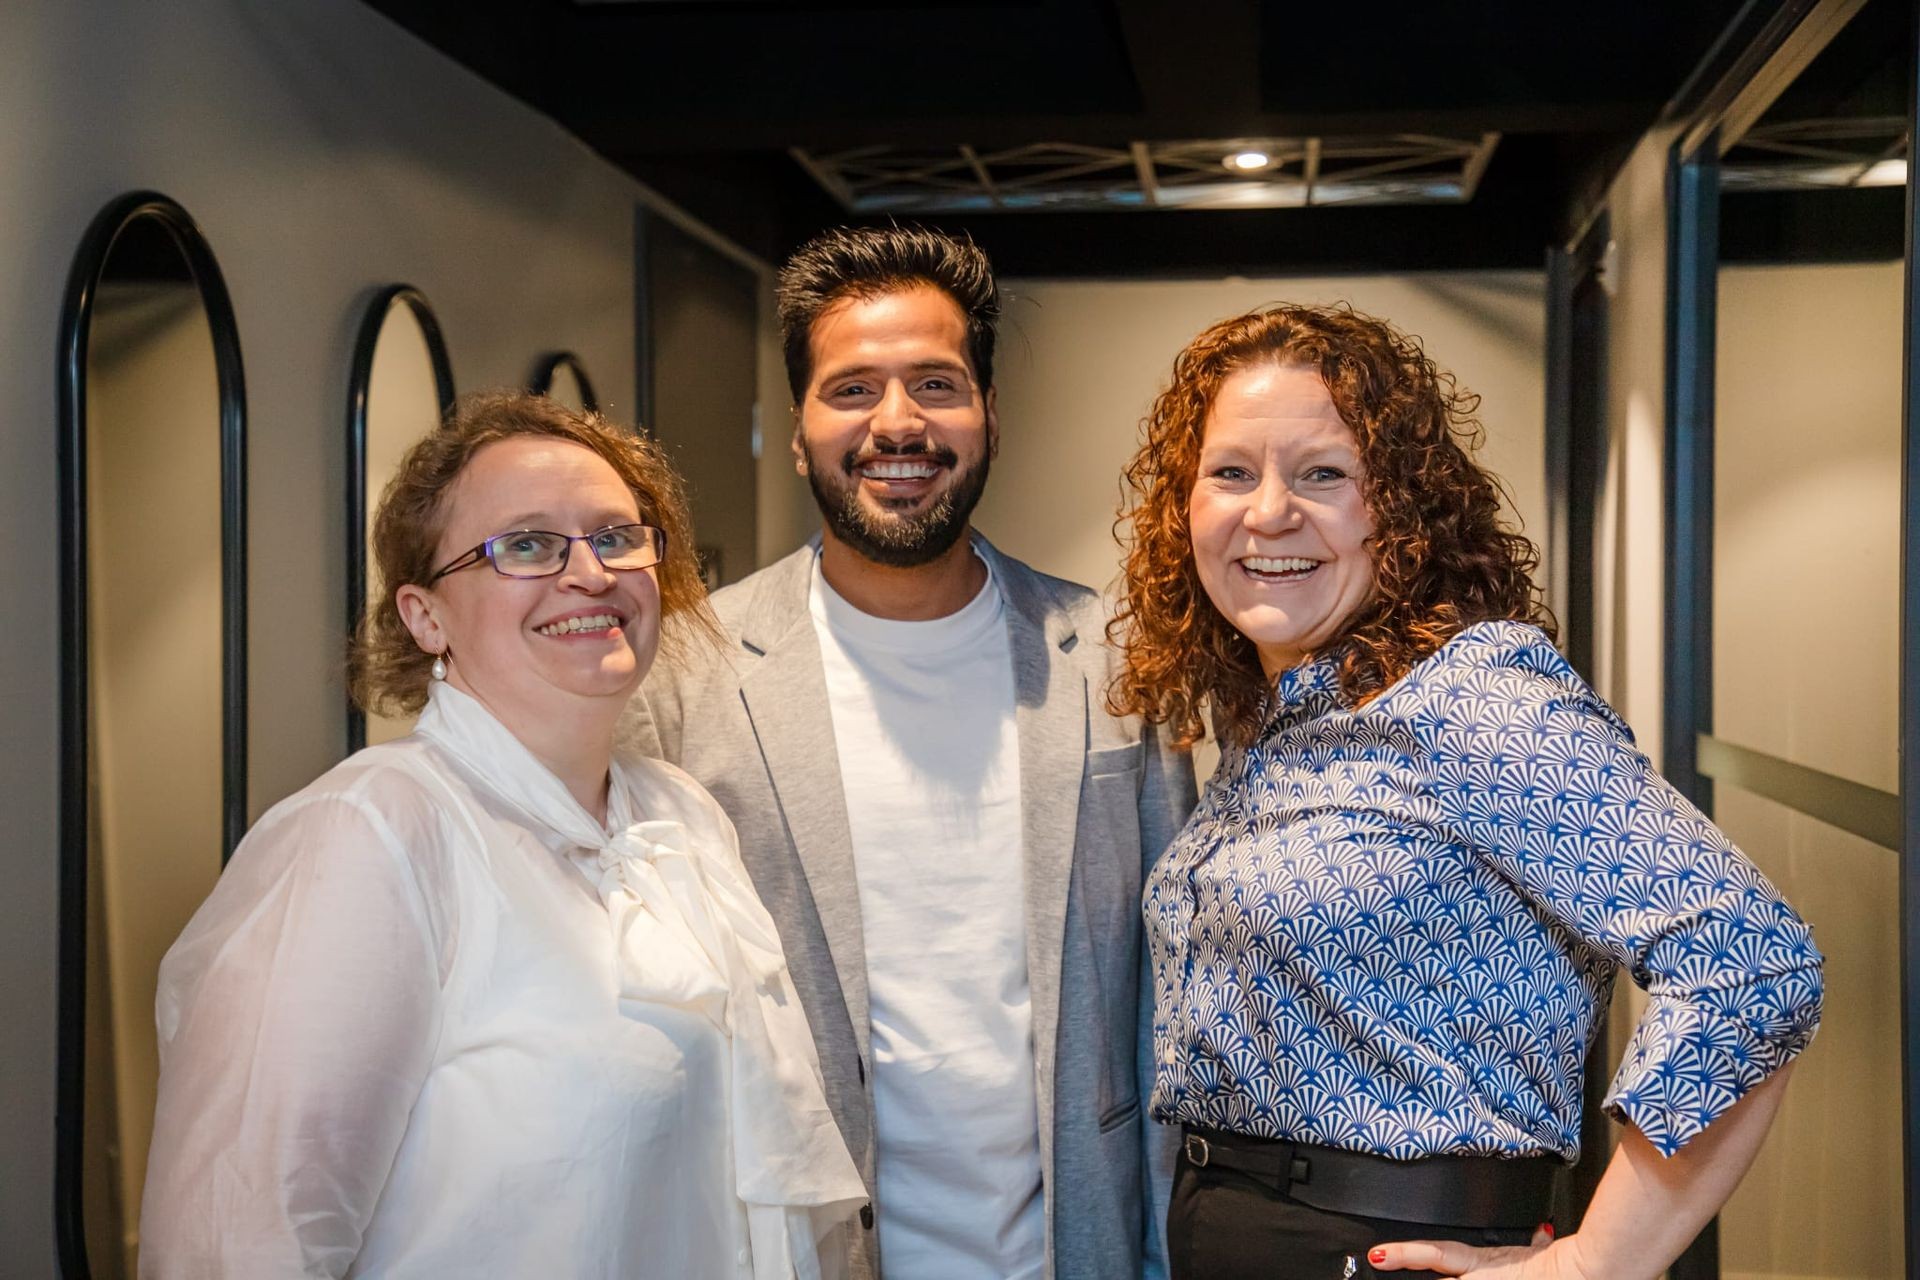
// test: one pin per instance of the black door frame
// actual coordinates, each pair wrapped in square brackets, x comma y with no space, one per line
[1576,436]
[1576,454]
[76,682]
[1909,812]
[360,503]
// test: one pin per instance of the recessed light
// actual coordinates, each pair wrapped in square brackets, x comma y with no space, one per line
[1248,161]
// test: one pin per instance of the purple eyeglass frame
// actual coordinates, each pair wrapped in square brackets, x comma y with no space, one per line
[484,551]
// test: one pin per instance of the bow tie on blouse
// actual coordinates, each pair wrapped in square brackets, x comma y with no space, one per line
[689,931]
[671,950]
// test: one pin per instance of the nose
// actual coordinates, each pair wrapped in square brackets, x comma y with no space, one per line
[1272,508]
[583,571]
[897,419]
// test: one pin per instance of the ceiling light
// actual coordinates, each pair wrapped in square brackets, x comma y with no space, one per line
[1884,173]
[1248,161]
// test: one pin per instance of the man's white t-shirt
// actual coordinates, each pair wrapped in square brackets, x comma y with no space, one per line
[923,719]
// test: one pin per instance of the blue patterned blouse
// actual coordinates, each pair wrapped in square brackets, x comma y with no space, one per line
[1392,929]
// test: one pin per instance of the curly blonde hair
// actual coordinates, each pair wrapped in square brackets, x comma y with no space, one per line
[387,671]
[1442,557]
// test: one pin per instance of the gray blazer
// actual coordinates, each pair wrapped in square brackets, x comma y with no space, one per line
[1100,801]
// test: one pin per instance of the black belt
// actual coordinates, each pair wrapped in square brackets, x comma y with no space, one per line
[1452,1191]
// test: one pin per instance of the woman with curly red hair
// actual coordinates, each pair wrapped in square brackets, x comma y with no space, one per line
[1383,943]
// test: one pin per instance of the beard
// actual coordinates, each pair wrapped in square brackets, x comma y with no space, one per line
[894,536]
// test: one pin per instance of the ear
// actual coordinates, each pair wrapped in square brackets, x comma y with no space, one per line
[993,422]
[420,611]
[798,444]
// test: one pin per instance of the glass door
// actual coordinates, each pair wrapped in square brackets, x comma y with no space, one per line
[1787,378]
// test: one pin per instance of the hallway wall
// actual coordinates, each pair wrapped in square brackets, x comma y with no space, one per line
[1629,530]
[1806,667]
[324,153]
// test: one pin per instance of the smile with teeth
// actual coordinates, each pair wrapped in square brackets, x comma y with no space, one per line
[897,469]
[572,626]
[1278,568]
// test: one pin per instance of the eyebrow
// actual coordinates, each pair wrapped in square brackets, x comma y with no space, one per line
[605,518]
[918,366]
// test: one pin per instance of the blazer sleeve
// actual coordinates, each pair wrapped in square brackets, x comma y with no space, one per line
[1167,797]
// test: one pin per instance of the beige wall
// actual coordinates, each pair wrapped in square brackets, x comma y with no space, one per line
[403,404]
[1806,588]
[1630,528]
[1806,659]
[154,486]
[564,389]
[325,153]
[1824,1197]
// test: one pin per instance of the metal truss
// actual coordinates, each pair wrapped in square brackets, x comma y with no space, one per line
[1038,177]
[1857,151]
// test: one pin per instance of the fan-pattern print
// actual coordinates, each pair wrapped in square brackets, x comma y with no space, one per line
[1393,928]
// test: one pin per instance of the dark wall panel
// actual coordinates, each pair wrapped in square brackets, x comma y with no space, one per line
[699,340]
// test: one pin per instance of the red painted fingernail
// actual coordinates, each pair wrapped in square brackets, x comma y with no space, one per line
[1547,1227]
[1376,1256]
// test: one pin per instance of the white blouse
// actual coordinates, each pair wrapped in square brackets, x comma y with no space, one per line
[435,1020]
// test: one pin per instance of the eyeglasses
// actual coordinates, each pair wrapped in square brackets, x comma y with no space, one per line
[540,553]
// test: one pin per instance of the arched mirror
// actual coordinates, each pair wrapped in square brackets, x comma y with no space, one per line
[561,377]
[153,679]
[400,386]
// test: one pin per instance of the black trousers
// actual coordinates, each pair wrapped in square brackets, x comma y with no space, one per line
[1228,1225]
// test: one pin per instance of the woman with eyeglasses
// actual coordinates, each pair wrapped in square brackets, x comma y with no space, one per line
[488,1000]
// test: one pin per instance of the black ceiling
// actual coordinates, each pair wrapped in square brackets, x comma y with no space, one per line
[702,100]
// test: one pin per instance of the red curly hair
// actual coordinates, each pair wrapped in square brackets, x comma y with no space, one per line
[1442,557]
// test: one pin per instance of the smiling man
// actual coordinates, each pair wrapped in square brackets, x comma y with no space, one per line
[950,830]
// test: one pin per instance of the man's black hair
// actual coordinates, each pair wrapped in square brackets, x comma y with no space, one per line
[865,262]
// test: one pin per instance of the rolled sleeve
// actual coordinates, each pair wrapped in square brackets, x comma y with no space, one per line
[1692,1057]
[1541,777]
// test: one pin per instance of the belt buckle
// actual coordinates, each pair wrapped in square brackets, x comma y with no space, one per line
[1198,1152]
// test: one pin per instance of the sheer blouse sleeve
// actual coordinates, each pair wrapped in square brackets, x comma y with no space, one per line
[1536,773]
[298,1015]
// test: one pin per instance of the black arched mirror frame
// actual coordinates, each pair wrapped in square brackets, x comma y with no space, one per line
[75,681]
[359,384]
[551,364]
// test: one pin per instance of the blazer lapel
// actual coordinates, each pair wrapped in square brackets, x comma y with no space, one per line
[1050,694]
[785,692]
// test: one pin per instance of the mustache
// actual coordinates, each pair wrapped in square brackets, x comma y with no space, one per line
[939,454]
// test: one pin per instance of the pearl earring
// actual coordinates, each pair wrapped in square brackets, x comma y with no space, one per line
[439,666]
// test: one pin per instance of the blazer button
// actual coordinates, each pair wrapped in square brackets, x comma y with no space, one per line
[866,1215]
